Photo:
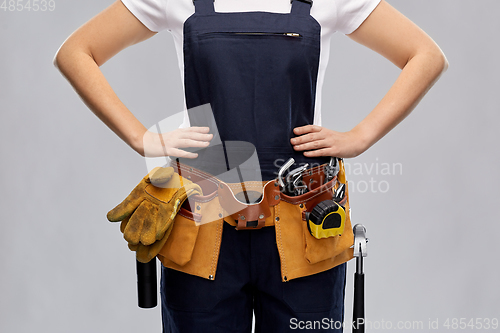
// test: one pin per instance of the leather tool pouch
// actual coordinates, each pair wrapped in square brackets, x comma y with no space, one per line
[194,244]
[193,248]
[301,254]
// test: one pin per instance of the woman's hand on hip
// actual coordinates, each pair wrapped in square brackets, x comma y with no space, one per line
[316,141]
[170,143]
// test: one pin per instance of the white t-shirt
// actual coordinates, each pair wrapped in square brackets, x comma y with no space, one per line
[343,16]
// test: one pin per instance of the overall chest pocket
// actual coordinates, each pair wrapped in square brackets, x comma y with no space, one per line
[260,83]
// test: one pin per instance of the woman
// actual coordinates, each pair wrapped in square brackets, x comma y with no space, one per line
[260,65]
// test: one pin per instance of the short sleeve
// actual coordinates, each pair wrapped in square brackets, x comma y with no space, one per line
[351,13]
[152,13]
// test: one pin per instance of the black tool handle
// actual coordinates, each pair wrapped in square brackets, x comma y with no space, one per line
[146,284]
[358,316]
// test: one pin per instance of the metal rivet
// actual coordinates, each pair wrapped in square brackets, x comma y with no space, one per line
[276,184]
[277,197]
[189,176]
[261,216]
[301,205]
[190,169]
[242,217]
[198,207]
[220,215]
[220,185]
[276,218]
[211,277]
[311,180]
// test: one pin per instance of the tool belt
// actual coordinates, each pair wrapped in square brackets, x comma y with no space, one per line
[194,242]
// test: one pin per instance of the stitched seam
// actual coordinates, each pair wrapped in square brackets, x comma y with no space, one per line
[256,204]
[208,199]
[195,172]
[215,180]
[192,218]
[181,214]
[253,183]
[151,196]
[280,245]
[237,187]
[212,269]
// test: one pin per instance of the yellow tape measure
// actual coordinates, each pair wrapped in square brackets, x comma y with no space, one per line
[327,219]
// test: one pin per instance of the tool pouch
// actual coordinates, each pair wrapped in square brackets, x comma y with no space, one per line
[180,245]
[302,254]
[193,247]
[194,243]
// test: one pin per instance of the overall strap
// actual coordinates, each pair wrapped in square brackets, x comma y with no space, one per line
[204,6]
[301,7]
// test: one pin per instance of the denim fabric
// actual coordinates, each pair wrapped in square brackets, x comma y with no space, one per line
[248,280]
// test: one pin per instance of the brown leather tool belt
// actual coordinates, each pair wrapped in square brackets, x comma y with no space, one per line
[254,216]
[194,243]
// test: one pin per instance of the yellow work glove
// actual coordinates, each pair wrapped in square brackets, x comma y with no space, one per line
[147,214]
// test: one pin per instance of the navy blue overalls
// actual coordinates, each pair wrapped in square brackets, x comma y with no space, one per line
[258,72]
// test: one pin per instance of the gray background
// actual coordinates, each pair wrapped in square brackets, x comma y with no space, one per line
[433,247]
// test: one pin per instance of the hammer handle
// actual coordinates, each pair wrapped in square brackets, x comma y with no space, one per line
[358,316]
[146,284]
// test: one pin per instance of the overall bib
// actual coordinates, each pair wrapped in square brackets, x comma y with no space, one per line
[258,72]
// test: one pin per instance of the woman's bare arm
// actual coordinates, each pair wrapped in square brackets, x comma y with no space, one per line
[79,58]
[389,33]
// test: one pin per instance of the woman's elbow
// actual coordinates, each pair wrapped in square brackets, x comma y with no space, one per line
[438,60]
[68,56]
[56,59]
[433,62]
[61,57]
[441,62]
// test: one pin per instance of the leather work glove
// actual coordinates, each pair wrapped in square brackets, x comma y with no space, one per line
[147,214]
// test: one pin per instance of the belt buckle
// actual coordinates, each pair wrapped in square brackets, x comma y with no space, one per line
[243,224]
[249,208]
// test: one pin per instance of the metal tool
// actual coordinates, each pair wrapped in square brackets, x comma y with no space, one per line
[339,193]
[299,187]
[282,170]
[358,316]
[294,184]
[332,169]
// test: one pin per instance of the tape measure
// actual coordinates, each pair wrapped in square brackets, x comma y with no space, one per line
[327,219]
